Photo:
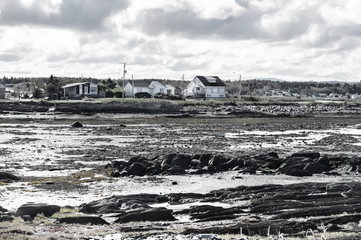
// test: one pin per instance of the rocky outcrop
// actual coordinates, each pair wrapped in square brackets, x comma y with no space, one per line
[32,209]
[8,176]
[124,106]
[268,209]
[297,164]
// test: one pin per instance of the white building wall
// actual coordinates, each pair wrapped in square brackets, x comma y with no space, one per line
[157,87]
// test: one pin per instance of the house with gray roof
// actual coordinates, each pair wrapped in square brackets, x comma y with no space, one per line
[149,86]
[79,90]
[206,87]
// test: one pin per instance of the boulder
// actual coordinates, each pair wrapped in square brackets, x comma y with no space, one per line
[8,176]
[217,160]
[32,209]
[76,124]
[205,158]
[181,160]
[93,220]
[137,169]
[6,218]
[153,214]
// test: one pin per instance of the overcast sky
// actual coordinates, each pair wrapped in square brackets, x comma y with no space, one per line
[296,40]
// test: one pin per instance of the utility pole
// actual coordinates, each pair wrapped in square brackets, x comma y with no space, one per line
[183,84]
[124,71]
[133,87]
[240,86]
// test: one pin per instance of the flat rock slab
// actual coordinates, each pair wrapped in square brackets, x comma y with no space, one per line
[153,214]
[93,220]
[32,209]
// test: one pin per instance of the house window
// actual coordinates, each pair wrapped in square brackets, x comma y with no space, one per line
[161,90]
[93,90]
[77,89]
[198,88]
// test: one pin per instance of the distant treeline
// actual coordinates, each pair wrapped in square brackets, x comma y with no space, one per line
[246,87]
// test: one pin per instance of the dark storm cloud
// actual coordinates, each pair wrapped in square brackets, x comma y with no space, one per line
[252,23]
[188,23]
[76,14]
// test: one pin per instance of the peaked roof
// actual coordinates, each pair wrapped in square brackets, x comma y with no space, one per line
[213,81]
[143,83]
[75,84]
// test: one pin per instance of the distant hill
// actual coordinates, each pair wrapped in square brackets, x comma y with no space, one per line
[271,79]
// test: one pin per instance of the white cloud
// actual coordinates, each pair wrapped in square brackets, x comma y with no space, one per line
[298,40]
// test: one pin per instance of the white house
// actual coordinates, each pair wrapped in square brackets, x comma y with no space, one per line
[170,89]
[150,86]
[78,90]
[207,87]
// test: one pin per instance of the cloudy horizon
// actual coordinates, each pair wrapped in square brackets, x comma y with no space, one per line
[285,39]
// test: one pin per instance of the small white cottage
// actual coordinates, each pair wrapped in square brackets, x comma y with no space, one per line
[150,86]
[206,87]
[78,90]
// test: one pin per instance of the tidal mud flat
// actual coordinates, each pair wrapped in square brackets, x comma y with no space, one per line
[162,176]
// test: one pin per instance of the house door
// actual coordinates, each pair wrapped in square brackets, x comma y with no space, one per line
[77,90]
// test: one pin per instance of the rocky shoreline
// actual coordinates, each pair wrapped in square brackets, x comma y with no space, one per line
[298,164]
[230,108]
[204,172]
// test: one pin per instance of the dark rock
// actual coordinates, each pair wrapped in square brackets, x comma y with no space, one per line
[153,214]
[312,155]
[32,209]
[137,169]
[115,174]
[8,176]
[315,167]
[181,160]
[298,172]
[76,125]
[319,211]
[205,158]
[6,218]
[27,218]
[195,163]
[114,204]
[3,209]
[217,160]
[176,170]
[174,183]
[231,164]
[93,220]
